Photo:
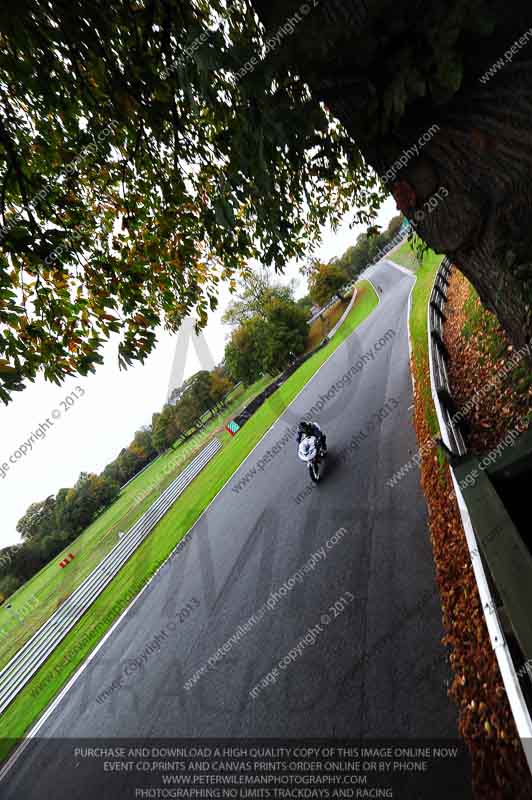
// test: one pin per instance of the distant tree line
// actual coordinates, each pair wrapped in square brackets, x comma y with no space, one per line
[367,248]
[201,394]
[269,328]
[48,526]
[326,279]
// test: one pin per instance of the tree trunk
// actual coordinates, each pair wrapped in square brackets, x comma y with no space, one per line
[469,190]
[472,192]
[480,153]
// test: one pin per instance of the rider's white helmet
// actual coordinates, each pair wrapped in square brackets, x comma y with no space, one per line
[307,448]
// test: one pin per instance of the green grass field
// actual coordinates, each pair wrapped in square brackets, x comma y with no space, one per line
[52,585]
[35,697]
[405,256]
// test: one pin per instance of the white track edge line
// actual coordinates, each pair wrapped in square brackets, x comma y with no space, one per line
[55,702]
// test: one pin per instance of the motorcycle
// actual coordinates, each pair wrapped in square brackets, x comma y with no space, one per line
[312,453]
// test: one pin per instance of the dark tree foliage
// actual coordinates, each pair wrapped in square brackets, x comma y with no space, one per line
[326,280]
[263,343]
[139,167]
[287,334]
[245,353]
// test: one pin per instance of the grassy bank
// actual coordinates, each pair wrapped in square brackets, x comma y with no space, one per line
[418,323]
[321,327]
[52,585]
[80,642]
[404,255]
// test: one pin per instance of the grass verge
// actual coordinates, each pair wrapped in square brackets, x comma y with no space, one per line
[75,648]
[44,592]
[325,323]
[481,326]
[405,256]
[419,333]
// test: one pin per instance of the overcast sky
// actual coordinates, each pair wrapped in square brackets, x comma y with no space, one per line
[90,433]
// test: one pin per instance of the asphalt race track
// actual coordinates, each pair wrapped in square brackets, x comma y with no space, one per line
[375,666]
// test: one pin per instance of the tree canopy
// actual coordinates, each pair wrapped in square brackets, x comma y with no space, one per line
[143,161]
[263,343]
[139,167]
[326,280]
[246,350]
[256,290]
[287,334]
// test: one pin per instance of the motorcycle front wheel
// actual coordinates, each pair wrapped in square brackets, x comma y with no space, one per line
[314,472]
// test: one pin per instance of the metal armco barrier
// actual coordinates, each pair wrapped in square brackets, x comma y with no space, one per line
[16,674]
[347,287]
[343,317]
[501,561]
[438,358]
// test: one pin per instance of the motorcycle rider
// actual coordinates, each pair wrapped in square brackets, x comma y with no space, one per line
[312,429]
